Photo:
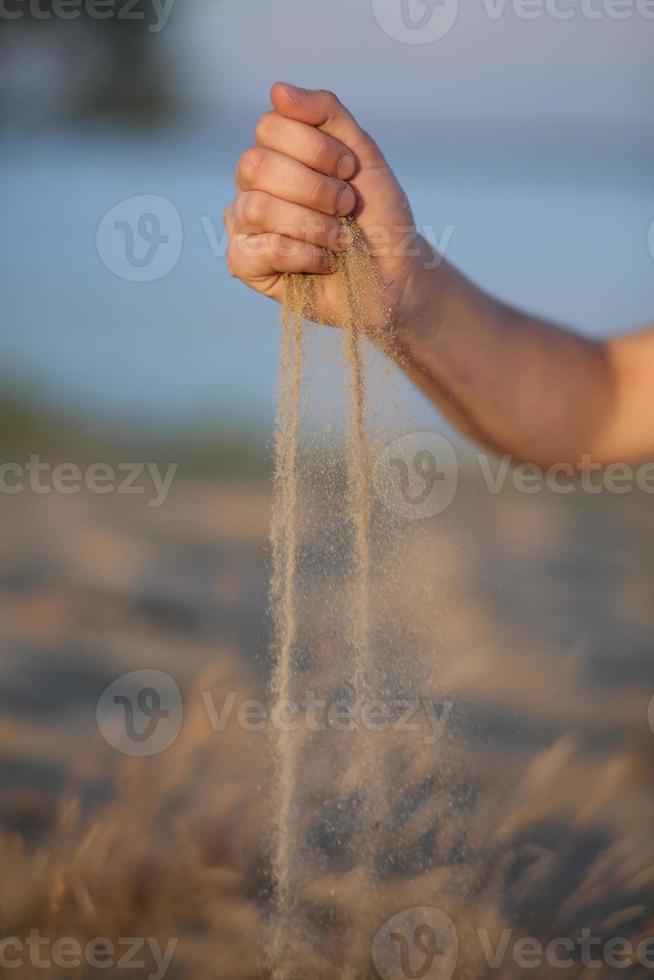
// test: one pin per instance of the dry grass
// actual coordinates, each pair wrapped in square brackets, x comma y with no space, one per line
[533,812]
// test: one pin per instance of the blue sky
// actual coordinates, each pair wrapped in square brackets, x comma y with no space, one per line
[532,139]
[498,67]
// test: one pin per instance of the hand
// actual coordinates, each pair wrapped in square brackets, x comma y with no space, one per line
[313,164]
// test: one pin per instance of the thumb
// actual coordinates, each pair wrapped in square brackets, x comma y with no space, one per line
[325,111]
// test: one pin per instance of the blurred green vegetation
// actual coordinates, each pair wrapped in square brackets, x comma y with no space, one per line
[208,448]
[113,69]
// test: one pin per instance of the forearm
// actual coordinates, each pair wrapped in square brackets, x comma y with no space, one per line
[512,382]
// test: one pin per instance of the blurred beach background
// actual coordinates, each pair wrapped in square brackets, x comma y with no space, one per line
[527,149]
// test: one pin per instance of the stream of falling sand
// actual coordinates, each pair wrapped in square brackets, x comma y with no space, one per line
[283,591]
[357,276]
[359,280]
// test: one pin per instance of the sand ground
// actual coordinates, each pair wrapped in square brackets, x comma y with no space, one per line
[533,620]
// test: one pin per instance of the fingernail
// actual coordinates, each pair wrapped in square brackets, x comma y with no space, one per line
[341,241]
[294,92]
[346,166]
[346,201]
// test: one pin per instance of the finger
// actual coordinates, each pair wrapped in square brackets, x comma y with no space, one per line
[324,109]
[260,256]
[256,212]
[229,217]
[305,143]
[267,170]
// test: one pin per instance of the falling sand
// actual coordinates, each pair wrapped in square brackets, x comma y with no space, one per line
[283,589]
[356,273]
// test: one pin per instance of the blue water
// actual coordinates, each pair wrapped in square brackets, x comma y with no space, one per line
[567,238]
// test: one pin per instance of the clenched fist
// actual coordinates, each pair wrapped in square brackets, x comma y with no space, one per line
[311,166]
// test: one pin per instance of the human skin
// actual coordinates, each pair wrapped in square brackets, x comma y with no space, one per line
[511,381]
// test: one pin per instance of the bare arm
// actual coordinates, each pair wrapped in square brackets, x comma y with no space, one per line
[512,382]
[521,385]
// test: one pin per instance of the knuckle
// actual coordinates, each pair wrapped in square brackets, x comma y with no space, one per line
[281,248]
[250,163]
[232,265]
[254,208]
[369,149]
[330,97]
[320,154]
[316,192]
[368,140]
[332,103]
[263,127]
[272,245]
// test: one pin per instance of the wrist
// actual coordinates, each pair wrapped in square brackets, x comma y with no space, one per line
[423,295]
